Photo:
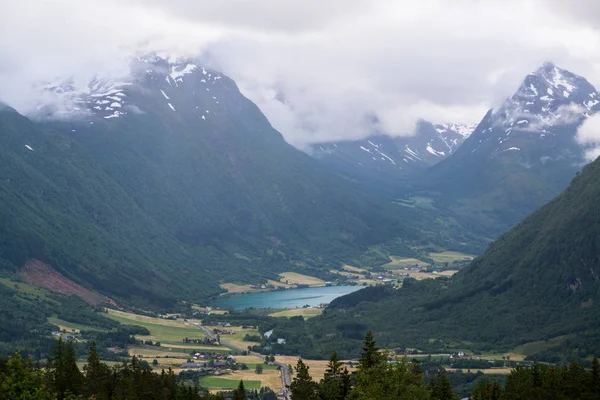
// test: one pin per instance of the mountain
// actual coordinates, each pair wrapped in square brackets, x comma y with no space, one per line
[520,155]
[383,156]
[161,185]
[539,281]
[59,208]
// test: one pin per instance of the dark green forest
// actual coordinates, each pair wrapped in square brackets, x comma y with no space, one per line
[536,282]
[377,377]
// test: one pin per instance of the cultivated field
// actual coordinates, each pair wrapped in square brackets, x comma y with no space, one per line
[213,382]
[69,326]
[233,288]
[531,348]
[401,262]
[237,339]
[294,278]
[489,371]
[294,312]
[354,269]
[450,256]
[163,330]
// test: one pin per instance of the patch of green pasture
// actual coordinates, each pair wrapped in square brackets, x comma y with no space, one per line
[450,256]
[54,320]
[222,383]
[294,312]
[252,367]
[162,333]
[26,288]
[531,348]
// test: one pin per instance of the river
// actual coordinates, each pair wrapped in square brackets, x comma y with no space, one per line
[289,298]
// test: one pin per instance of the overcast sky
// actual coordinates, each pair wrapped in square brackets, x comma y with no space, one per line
[337,62]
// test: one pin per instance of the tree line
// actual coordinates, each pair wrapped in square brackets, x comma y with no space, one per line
[378,377]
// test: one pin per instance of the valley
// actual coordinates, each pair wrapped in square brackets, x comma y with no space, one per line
[163,219]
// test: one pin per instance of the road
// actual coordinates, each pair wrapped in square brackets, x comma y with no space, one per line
[286,378]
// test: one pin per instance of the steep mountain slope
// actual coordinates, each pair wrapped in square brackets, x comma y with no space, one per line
[538,281]
[205,163]
[165,184]
[520,155]
[385,157]
[59,207]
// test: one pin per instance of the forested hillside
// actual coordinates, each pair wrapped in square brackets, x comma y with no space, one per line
[538,281]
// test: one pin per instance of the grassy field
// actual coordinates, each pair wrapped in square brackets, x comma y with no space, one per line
[213,382]
[401,262]
[354,269]
[234,288]
[237,339]
[294,278]
[294,312]
[68,326]
[24,287]
[489,371]
[163,330]
[450,256]
[531,348]
[153,352]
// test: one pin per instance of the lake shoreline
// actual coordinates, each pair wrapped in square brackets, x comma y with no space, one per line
[281,299]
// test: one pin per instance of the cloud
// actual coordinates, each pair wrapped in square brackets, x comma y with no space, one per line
[347,68]
[588,135]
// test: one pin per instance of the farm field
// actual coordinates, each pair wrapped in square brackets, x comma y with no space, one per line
[401,262]
[234,288]
[294,312]
[68,326]
[355,275]
[294,278]
[152,351]
[450,256]
[489,371]
[162,330]
[354,269]
[531,348]
[237,339]
[212,382]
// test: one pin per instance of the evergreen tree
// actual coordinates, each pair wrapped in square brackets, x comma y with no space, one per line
[303,387]
[441,389]
[240,392]
[333,386]
[63,375]
[97,376]
[370,355]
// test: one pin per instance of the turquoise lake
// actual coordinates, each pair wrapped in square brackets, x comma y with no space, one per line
[290,298]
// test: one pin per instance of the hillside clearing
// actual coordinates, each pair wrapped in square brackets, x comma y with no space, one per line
[308,312]
[162,330]
[401,262]
[294,278]
[450,257]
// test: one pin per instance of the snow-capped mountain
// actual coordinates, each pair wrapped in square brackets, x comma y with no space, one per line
[522,153]
[109,98]
[548,99]
[383,154]
[206,164]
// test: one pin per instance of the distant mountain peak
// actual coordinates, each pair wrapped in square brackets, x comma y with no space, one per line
[463,129]
[107,97]
[549,96]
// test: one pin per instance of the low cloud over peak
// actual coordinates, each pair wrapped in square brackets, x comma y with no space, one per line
[344,68]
